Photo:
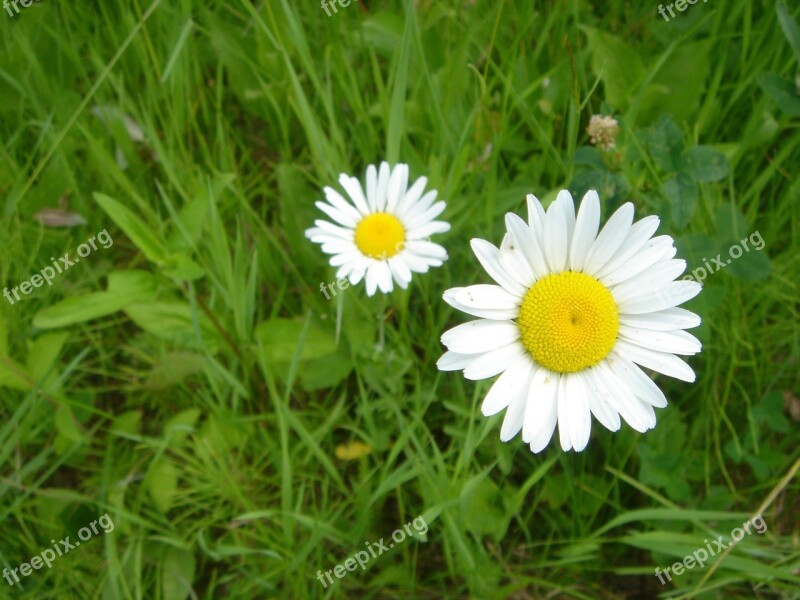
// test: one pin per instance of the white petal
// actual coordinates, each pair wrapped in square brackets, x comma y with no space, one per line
[610,239]
[640,234]
[400,271]
[340,217]
[484,295]
[416,219]
[605,414]
[398,183]
[452,361]
[419,264]
[564,415]
[384,172]
[556,238]
[541,412]
[663,362]
[372,279]
[668,319]
[586,227]
[494,362]
[384,275]
[344,258]
[580,417]
[488,256]
[536,216]
[616,392]
[567,204]
[527,243]
[667,296]
[353,188]
[372,187]
[336,200]
[514,379]
[480,336]
[410,199]
[676,342]
[426,249]
[427,230]
[518,396]
[641,385]
[358,264]
[359,271]
[410,211]
[655,250]
[455,296]
[659,275]
[334,230]
[514,262]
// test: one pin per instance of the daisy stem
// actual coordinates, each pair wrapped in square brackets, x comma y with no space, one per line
[381,316]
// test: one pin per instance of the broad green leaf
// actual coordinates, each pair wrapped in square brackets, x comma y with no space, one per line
[482,510]
[13,375]
[79,309]
[665,144]
[137,230]
[162,483]
[326,371]
[173,368]
[668,514]
[172,320]
[696,248]
[616,64]
[682,193]
[705,164]
[676,89]
[281,339]
[67,424]
[177,574]
[127,423]
[124,287]
[182,268]
[750,265]
[44,352]
[181,425]
[782,91]
[136,285]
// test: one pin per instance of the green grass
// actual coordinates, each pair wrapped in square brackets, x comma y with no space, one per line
[193,382]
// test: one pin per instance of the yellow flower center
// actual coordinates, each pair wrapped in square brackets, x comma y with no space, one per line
[569,321]
[380,235]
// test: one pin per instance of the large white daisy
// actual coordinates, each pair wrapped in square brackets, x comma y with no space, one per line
[572,316]
[383,235]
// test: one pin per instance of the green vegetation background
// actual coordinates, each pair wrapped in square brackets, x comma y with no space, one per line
[193,382]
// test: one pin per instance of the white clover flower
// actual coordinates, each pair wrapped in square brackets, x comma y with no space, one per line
[603,132]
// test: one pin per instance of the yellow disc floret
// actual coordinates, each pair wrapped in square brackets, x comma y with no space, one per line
[569,321]
[380,235]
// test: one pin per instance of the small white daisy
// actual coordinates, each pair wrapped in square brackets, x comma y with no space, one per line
[573,315]
[384,235]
